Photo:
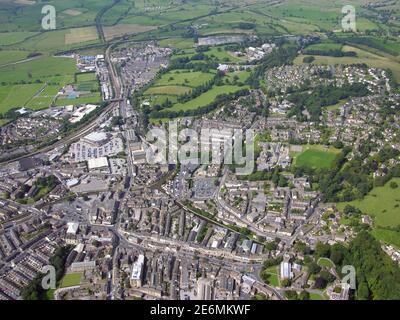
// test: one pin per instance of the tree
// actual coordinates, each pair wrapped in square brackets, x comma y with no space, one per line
[286,283]
[320,283]
[304,295]
[314,268]
[394,185]
[322,250]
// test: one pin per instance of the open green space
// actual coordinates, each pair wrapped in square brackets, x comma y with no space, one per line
[315,156]
[383,203]
[206,98]
[11,56]
[71,280]
[363,56]
[184,78]
[325,262]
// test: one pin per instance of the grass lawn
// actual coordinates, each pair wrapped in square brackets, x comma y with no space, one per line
[273,276]
[316,296]
[206,98]
[11,56]
[383,203]
[387,236]
[169,90]
[315,156]
[325,262]
[71,280]
[44,69]
[178,43]
[184,78]
[88,76]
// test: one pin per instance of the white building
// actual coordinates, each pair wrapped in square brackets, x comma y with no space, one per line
[137,272]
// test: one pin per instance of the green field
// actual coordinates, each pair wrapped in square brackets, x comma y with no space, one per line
[71,280]
[10,56]
[184,78]
[15,96]
[325,262]
[383,203]
[34,83]
[168,90]
[387,236]
[42,69]
[315,156]
[206,98]
[273,276]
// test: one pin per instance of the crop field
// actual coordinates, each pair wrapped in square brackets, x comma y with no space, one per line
[126,29]
[71,280]
[79,35]
[383,203]
[168,90]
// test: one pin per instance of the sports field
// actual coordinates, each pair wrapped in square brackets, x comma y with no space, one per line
[315,156]
[71,280]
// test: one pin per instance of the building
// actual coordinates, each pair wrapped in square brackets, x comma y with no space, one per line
[205,289]
[137,272]
[286,270]
[99,164]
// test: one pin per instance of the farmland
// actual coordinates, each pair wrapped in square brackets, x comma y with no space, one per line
[35,83]
[184,78]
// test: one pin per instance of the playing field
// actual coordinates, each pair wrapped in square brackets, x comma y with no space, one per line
[383,203]
[71,280]
[316,157]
